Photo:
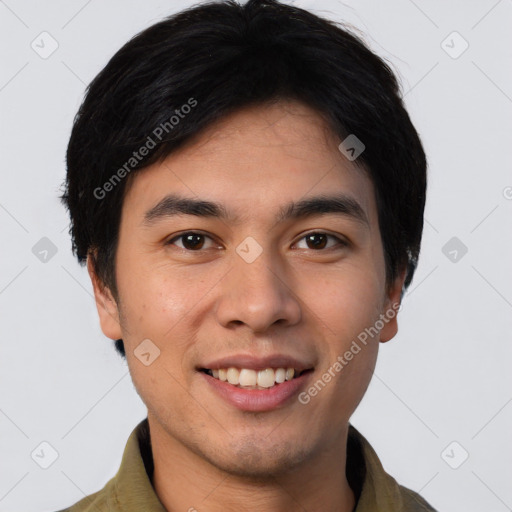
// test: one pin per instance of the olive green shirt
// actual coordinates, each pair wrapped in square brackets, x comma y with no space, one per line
[130,490]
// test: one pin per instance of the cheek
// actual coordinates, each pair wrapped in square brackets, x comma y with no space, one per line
[165,308]
[347,301]
[155,302]
[160,388]
[158,309]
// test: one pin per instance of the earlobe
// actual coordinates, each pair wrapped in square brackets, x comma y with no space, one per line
[106,305]
[390,311]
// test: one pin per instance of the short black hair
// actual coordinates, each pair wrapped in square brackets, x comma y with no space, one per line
[181,74]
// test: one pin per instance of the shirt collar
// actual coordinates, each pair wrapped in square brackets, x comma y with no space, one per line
[132,483]
[373,487]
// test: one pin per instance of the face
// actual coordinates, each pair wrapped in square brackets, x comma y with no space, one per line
[251,283]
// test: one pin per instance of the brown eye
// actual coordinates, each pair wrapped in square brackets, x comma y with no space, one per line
[316,240]
[190,241]
[319,241]
[193,241]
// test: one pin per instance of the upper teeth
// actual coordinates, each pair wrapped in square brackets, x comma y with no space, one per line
[245,377]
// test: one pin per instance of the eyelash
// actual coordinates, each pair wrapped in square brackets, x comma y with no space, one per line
[340,243]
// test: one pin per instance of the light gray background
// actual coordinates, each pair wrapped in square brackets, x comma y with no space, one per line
[445,377]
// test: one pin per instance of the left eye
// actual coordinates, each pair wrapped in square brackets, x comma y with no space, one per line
[191,241]
[319,240]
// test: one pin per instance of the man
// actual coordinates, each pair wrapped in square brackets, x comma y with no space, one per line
[247,191]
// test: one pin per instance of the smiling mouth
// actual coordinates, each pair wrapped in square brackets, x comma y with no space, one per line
[253,379]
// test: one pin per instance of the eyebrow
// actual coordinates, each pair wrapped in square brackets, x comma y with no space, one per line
[339,204]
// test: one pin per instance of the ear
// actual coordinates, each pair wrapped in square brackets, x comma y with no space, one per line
[390,310]
[106,305]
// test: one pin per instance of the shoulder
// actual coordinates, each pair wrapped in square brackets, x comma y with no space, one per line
[376,489]
[413,502]
[100,501]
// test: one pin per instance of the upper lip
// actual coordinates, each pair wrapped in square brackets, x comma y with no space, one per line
[253,362]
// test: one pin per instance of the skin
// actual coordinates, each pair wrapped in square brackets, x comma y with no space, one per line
[197,305]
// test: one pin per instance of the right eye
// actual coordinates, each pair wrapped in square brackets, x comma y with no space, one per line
[190,241]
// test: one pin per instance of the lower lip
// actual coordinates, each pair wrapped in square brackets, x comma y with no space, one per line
[258,400]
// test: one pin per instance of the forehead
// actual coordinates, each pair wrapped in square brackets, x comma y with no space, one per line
[253,161]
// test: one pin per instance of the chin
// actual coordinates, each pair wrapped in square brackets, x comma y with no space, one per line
[260,461]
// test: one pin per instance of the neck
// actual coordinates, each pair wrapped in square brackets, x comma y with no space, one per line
[183,480]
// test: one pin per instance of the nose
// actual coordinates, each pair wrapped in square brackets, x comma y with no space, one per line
[258,295]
